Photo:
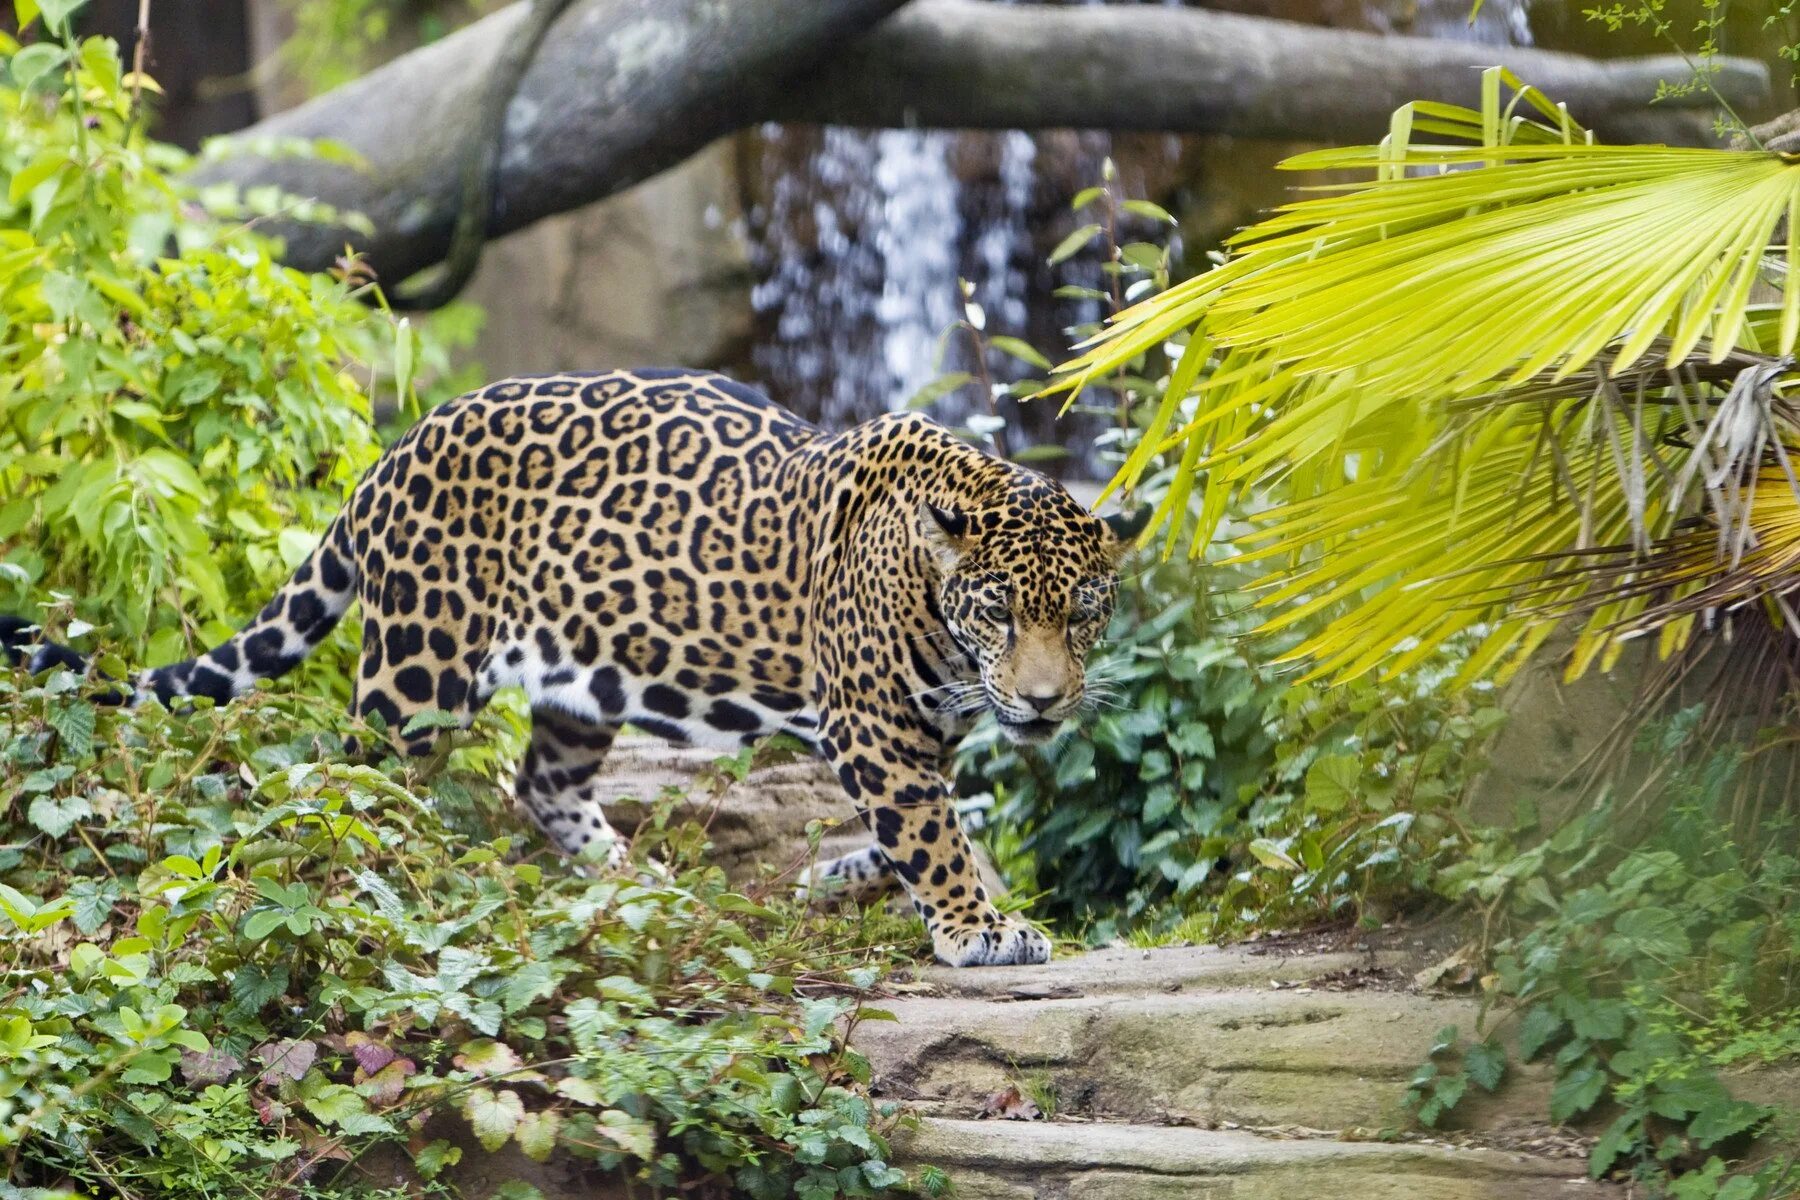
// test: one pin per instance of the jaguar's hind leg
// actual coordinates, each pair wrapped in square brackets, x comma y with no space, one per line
[556,784]
[861,874]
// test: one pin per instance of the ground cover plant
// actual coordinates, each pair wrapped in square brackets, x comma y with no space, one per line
[238,963]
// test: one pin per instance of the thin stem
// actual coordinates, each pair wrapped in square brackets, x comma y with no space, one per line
[139,53]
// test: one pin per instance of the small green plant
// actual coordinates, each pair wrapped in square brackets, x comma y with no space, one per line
[1443,1079]
[233,957]
[1646,966]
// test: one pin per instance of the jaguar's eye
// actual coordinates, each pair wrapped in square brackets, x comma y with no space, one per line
[999,614]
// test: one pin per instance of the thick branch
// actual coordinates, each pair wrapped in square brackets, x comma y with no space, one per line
[620,90]
[962,63]
[625,88]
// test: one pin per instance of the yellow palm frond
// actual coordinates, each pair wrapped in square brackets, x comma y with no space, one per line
[1496,383]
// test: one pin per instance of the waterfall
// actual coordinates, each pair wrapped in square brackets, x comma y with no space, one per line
[859,238]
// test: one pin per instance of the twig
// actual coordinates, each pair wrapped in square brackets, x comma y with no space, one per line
[139,54]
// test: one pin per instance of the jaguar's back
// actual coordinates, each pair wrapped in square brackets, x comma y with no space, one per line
[626,547]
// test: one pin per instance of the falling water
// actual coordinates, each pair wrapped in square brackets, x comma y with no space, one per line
[919,230]
[860,237]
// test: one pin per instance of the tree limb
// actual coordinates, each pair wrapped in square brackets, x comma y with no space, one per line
[620,90]
[623,89]
[962,63]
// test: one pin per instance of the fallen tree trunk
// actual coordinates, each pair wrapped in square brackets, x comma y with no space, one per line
[625,88]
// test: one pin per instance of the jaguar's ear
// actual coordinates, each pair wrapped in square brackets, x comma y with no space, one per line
[1125,528]
[945,532]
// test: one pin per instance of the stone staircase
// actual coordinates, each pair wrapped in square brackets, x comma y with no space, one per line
[1184,1073]
[1201,1073]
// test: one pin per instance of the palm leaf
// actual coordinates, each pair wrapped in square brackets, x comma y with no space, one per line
[1496,384]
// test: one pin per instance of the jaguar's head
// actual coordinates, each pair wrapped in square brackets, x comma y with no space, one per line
[1025,589]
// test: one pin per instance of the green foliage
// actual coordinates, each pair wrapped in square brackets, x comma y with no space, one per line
[334,41]
[1361,810]
[179,413]
[235,960]
[1645,971]
[1444,1078]
[1135,812]
[1439,470]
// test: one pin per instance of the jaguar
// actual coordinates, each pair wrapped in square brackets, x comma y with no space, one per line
[673,551]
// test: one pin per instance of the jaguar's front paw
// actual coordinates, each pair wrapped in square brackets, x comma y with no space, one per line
[1001,942]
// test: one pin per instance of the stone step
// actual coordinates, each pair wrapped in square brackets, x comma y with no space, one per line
[1197,1036]
[1054,1160]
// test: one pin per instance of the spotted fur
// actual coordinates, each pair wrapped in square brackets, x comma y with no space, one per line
[674,551]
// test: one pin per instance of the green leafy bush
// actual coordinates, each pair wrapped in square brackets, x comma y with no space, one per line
[179,413]
[1645,966]
[234,958]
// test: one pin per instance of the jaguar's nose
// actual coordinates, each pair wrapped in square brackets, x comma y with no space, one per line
[1043,703]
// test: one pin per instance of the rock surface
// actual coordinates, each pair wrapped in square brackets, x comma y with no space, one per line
[1194,1036]
[1199,1072]
[1054,1160]
[759,823]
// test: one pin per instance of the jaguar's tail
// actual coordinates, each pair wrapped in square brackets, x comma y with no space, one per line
[297,619]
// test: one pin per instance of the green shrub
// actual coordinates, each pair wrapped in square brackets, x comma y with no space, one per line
[235,960]
[179,413]
[1645,965]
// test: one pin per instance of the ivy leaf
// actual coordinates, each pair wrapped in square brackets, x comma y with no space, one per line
[1620,1137]
[74,723]
[431,718]
[93,902]
[285,1059]
[1598,1020]
[1649,932]
[1576,1091]
[581,1091]
[1540,1025]
[631,1134]
[56,817]
[209,1066]
[370,1054]
[532,981]
[536,1134]
[493,1116]
[1332,782]
[336,1103]
[1486,1065]
[1271,855]
[1718,1121]
[487,1057]
[261,923]
[436,1157]
[387,901]
[383,1088]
